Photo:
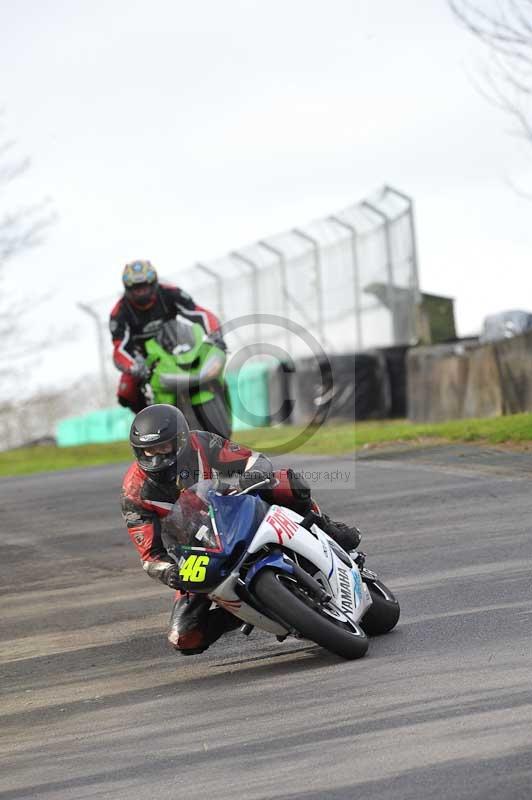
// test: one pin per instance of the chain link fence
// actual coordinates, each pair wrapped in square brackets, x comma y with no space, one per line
[348,282]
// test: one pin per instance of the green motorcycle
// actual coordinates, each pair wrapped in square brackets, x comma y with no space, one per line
[186,370]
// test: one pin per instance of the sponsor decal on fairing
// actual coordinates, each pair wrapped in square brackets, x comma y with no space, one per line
[282,524]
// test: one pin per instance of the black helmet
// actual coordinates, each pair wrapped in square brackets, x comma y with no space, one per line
[159,437]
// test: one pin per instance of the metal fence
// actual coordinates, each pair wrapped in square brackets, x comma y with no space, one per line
[348,282]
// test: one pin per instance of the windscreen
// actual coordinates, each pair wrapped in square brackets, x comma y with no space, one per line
[176,336]
[190,522]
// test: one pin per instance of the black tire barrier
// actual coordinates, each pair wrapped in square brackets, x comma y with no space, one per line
[280,394]
[345,387]
[395,365]
[372,388]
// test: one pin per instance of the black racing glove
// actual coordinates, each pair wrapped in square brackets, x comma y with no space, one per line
[140,369]
[170,576]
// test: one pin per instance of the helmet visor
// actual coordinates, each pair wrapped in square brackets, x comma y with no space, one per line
[163,455]
[160,449]
[142,295]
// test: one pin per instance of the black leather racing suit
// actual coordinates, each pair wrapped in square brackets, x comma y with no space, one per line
[130,327]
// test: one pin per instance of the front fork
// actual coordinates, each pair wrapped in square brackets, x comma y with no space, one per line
[366,574]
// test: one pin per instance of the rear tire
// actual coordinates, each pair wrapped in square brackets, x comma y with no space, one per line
[383,614]
[213,416]
[339,638]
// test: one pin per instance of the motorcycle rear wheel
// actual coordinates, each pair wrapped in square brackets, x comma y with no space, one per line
[290,604]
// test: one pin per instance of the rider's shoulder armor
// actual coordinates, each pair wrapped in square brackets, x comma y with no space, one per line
[118,319]
[139,490]
[118,309]
[176,296]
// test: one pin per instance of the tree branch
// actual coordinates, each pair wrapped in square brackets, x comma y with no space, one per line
[20,229]
[507,32]
[23,229]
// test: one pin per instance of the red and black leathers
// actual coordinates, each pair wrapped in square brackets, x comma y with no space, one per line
[130,327]
[147,498]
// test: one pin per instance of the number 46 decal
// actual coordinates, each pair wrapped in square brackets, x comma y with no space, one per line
[193,570]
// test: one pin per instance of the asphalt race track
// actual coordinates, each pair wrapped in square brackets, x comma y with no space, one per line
[95,705]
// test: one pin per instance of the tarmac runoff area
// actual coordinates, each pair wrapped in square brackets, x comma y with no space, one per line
[94,705]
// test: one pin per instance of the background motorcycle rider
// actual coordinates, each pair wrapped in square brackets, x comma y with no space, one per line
[168,458]
[138,315]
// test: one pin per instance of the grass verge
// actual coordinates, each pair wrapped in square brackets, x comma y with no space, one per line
[333,439]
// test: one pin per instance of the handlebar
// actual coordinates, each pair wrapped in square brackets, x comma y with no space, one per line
[265,482]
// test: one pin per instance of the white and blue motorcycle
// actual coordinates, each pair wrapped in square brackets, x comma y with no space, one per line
[275,570]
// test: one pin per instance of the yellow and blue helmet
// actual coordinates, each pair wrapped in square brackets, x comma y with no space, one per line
[140,282]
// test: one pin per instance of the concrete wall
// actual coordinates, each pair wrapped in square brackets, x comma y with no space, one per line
[457,381]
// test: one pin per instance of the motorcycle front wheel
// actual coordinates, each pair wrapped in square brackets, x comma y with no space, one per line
[292,604]
[213,416]
[383,613]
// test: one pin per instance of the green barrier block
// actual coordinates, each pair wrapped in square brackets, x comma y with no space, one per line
[71,432]
[120,424]
[249,393]
[97,427]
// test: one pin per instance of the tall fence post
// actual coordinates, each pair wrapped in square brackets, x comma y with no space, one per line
[356,276]
[318,282]
[412,222]
[235,254]
[284,286]
[101,350]
[219,286]
[390,290]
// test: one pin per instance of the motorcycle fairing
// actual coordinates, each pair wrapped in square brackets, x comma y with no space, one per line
[184,362]
[238,517]
[225,596]
[245,524]
[277,560]
[281,527]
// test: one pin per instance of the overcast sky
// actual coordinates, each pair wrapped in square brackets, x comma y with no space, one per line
[178,131]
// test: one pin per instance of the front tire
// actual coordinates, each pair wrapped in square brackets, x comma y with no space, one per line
[213,416]
[383,614]
[289,603]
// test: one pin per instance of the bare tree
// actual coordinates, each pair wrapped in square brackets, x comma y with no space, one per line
[21,228]
[505,27]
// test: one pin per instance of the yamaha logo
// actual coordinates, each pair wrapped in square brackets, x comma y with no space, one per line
[346,592]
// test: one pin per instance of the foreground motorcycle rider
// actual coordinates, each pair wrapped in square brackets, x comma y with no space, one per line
[144,306]
[169,458]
